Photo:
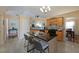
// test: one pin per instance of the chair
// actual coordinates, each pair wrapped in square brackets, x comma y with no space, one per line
[52,32]
[26,38]
[70,35]
[29,43]
[41,46]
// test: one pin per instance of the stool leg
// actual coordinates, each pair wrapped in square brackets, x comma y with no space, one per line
[48,49]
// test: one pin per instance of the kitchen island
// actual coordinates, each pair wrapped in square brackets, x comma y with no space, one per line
[51,42]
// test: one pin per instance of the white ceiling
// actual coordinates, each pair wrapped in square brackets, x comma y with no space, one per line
[35,10]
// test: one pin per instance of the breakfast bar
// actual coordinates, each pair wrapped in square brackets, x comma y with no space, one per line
[50,41]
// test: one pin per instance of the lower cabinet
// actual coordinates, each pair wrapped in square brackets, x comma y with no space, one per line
[60,35]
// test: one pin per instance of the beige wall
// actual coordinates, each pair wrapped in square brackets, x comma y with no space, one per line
[1,30]
[71,14]
[24,26]
[74,16]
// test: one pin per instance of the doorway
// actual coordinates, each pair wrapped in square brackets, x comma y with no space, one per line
[69,25]
[69,30]
[12,27]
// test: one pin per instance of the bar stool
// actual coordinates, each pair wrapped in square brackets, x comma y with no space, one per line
[41,46]
[28,43]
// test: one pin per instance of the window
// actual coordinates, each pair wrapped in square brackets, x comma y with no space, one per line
[70,24]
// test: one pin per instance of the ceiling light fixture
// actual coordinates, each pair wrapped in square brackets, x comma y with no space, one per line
[45,9]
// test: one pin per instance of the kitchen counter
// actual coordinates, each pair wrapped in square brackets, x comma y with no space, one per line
[51,42]
[43,36]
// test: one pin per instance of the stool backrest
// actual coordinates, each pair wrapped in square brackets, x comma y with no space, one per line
[38,45]
[26,37]
[29,38]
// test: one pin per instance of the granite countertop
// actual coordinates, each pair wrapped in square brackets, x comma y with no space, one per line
[44,37]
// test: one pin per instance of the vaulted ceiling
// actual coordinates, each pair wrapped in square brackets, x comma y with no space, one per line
[35,10]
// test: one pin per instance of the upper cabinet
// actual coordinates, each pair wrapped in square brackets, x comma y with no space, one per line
[58,21]
[51,21]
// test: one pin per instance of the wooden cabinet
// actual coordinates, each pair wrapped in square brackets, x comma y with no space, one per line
[59,22]
[60,32]
[51,21]
[60,35]
[55,21]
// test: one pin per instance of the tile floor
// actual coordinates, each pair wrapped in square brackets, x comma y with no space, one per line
[67,47]
[13,46]
[17,46]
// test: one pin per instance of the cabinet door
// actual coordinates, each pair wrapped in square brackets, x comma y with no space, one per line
[60,21]
[51,22]
[60,35]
